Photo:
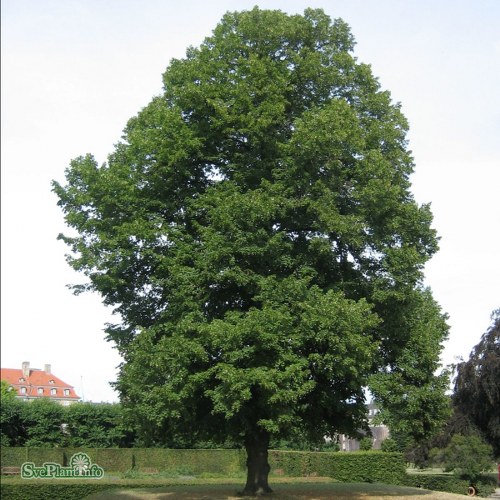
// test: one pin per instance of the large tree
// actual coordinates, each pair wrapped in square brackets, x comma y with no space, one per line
[256,234]
[477,385]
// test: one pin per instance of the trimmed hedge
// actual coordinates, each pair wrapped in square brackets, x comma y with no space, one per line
[368,466]
[124,459]
[16,456]
[41,491]
[190,461]
[111,459]
[450,483]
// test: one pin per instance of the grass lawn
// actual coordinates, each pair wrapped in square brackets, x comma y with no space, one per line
[284,488]
[156,487]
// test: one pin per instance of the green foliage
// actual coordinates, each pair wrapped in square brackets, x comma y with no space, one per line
[329,446]
[477,386]
[37,423]
[96,426]
[41,491]
[466,456]
[366,444]
[45,423]
[475,401]
[126,459]
[43,419]
[419,454]
[195,461]
[412,398]
[12,456]
[75,491]
[390,445]
[7,392]
[300,441]
[359,466]
[485,485]
[12,426]
[388,468]
[346,467]
[256,233]
[110,459]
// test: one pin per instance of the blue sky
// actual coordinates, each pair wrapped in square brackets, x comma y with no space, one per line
[74,71]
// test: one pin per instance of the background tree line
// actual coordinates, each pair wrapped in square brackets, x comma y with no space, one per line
[474,421]
[474,415]
[472,429]
[45,423]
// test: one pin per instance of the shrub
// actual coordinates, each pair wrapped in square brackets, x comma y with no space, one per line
[366,444]
[41,491]
[12,425]
[466,456]
[389,445]
[485,485]
[93,425]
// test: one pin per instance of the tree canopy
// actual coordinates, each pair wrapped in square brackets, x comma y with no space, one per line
[477,385]
[466,456]
[255,233]
[45,423]
[6,391]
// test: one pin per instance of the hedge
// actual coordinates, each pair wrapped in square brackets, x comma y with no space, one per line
[124,459]
[111,459]
[450,483]
[190,461]
[368,466]
[41,491]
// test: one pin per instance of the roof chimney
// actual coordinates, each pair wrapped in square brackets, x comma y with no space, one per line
[47,369]
[26,368]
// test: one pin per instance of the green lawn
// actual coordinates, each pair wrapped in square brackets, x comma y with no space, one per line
[162,487]
[317,489]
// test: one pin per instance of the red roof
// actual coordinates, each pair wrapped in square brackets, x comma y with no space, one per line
[38,384]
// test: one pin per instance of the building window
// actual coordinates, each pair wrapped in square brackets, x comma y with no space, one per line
[22,379]
[66,392]
[23,390]
[53,392]
[40,390]
[51,382]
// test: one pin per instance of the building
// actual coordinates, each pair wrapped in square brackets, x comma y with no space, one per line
[34,383]
[379,432]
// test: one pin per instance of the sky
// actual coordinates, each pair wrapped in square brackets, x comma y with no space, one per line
[74,71]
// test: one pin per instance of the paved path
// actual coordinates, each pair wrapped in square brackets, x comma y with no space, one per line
[496,494]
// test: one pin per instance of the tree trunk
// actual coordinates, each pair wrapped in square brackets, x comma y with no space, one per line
[256,445]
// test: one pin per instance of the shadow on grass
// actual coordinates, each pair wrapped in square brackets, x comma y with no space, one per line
[321,491]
